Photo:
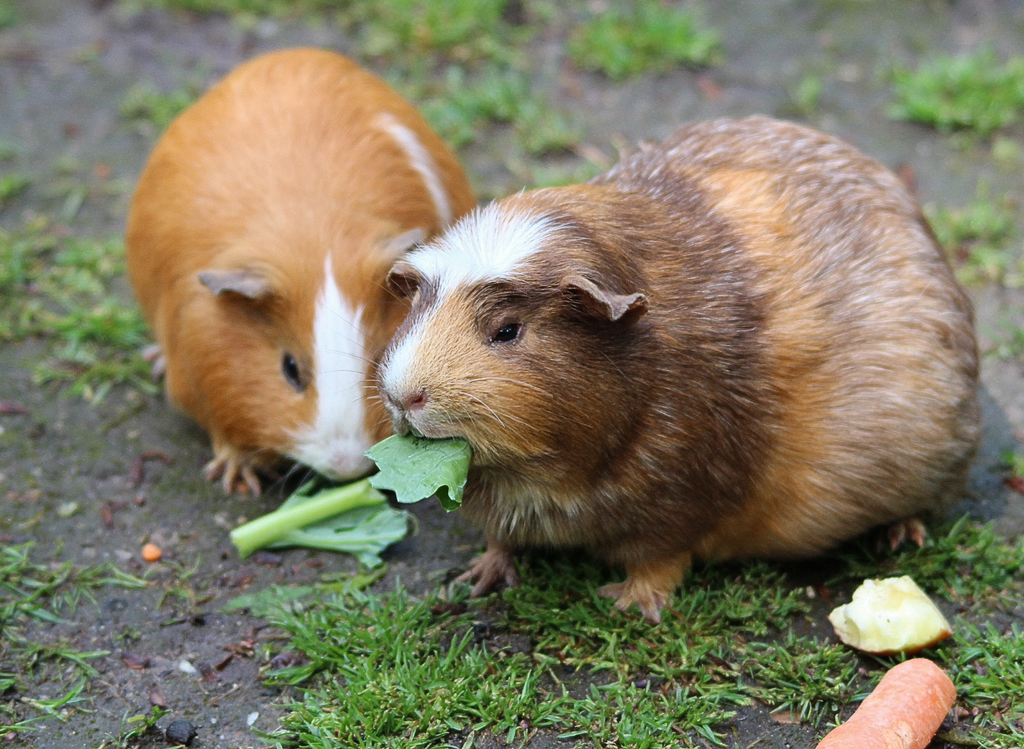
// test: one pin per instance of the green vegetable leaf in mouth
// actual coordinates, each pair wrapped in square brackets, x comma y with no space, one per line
[415,468]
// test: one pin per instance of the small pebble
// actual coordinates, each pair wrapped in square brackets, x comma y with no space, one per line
[180,732]
[187,667]
[253,717]
[67,509]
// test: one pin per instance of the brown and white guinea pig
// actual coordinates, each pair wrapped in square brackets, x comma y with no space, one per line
[743,341]
[258,243]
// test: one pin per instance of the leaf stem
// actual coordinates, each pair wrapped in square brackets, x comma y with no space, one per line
[269,528]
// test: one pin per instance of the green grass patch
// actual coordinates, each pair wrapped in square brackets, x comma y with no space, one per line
[44,593]
[153,110]
[554,657]
[463,107]
[392,671]
[8,14]
[977,239]
[61,288]
[978,92]
[805,95]
[394,674]
[534,174]
[11,186]
[1011,345]
[642,37]
[464,30]
[811,678]
[986,663]
[243,8]
[967,564]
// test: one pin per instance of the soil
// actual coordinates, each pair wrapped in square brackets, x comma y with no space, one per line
[64,69]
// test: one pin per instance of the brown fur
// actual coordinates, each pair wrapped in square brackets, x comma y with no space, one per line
[274,167]
[804,366]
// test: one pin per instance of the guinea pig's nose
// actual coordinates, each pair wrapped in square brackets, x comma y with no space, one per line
[415,400]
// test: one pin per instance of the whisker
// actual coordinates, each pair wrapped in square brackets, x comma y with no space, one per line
[484,404]
[518,433]
[345,371]
[513,381]
[344,353]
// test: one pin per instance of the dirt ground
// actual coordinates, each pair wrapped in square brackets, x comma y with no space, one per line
[64,69]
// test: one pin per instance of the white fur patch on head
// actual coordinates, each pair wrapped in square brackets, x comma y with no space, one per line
[420,160]
[398,365]
[334,444]
[487,245]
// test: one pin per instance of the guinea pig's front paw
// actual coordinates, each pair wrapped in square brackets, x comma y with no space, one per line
[235,469]
[648,586]
[495,565]
[154,355]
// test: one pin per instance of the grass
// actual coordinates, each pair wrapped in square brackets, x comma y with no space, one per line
[643,37]
[977,236]
[61,289]
[553,658]
[805,96]
[808,677]
[136,728]
[986,663]
[462,30]
[463,108]
[44,593]
[1011,345]
[461,62]
[8,14]
[153,110]
[968,564]
[11,186]
[273,8]
[977,92]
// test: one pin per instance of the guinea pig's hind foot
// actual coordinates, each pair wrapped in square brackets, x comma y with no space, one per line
[911,528]
[494,566]
[234,471]
[648,585]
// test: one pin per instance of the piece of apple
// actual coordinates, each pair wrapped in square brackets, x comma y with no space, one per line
[890,616]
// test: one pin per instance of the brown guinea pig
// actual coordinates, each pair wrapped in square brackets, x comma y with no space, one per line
[258,243]
[743,341]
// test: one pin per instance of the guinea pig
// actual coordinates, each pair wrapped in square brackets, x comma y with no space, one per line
[743,341]
[258,243]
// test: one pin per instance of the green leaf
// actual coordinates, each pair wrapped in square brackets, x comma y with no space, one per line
[364,532]
[415,468]
[353,518]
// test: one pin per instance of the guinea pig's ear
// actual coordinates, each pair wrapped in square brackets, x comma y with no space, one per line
[625,308]
[246,283]
[403,280]
[396,246]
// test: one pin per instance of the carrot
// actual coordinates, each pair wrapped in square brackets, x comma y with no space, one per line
[903,712]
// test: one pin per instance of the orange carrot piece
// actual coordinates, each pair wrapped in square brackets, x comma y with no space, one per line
[903,712]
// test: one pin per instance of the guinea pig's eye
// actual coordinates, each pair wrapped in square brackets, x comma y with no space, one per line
[508,333]
[290,368]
